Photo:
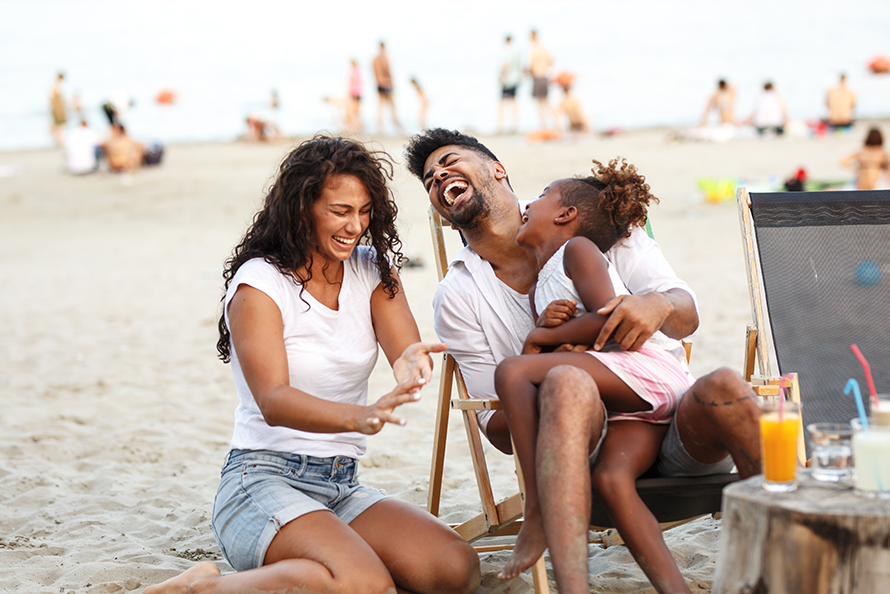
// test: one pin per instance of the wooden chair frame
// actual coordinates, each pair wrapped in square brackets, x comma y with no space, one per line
[501,518]
[759,344]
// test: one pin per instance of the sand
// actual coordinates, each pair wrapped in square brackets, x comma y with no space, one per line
[116,414]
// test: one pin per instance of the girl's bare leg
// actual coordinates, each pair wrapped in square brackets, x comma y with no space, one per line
[629,449]
[517,380]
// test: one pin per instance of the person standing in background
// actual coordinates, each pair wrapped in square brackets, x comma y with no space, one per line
[723,100]
[353,124]
[539,64]
[510,76]
[384,89]
[57,107]
[840,101]
[421,98]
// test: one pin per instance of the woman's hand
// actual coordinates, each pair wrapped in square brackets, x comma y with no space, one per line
[416,363]
[372,417]
[558,312]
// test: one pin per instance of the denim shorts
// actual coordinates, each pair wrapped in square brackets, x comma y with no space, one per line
[674,460]
[261,491]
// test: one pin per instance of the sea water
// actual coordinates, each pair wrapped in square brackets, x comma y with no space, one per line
[637,64]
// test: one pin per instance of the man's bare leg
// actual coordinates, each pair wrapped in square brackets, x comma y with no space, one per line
[517,380]
[717,416]
[569,404]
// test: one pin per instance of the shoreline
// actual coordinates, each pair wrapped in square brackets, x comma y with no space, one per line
[882,120]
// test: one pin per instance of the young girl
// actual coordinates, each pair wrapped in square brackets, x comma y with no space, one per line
[569,227]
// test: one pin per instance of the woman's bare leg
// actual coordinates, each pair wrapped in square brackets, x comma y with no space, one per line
[420,552]
[314,553]
[517,380]
[629,449]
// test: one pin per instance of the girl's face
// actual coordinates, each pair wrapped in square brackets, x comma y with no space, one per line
[540,216]
[342,213]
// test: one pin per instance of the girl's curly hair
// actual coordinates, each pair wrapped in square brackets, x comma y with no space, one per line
[610,202]
[281,232]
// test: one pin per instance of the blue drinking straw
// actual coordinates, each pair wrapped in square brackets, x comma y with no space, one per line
[852,384]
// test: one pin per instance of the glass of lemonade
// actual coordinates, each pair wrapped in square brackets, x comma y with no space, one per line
[871,459]
[779,430]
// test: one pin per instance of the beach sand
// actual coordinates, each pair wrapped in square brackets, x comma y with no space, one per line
[116,413]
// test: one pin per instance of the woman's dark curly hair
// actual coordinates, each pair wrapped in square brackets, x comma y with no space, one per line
[610,202]
[281,232]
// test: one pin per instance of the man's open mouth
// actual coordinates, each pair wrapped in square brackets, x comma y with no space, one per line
[453,190]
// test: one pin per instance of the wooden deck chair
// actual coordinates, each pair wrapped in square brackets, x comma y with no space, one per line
[815,264]
[674,501]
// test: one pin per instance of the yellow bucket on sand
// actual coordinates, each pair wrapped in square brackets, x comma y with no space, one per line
[717,189]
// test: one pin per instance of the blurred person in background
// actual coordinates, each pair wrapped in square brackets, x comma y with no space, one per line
[871,163]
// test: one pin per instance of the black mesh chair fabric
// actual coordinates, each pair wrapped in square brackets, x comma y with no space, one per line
[673,499]
[825,259]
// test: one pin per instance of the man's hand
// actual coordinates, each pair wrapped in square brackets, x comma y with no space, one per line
[633,319]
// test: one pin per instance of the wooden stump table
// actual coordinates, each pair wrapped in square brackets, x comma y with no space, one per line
[820,539]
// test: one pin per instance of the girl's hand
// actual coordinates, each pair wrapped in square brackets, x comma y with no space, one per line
[531,345]
[558,312]
[371,418]
[416,363]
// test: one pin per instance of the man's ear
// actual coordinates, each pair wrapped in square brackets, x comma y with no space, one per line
[566,215]
[500,172]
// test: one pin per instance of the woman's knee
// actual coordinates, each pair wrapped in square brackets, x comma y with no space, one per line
[292,574]
[456,569]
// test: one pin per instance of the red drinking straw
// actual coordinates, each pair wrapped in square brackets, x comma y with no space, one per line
[867,368]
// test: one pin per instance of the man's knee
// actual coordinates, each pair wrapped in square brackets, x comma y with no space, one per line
[721,399]
[568,381]
[568,390]
[722,388]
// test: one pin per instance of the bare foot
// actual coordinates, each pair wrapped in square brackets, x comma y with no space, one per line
[530,545]
[183,583]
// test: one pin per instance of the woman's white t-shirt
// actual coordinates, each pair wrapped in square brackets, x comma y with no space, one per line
[330,354]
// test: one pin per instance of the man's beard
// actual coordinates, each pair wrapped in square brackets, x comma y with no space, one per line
[471,216]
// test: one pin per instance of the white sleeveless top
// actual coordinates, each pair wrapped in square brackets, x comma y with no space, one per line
[330,354]
[553,283]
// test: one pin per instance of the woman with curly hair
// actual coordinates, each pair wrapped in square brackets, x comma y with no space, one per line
[311,291]
[568,228]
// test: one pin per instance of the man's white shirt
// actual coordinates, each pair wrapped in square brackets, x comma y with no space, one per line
[470,314]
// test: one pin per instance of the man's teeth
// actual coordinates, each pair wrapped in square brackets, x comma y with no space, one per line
[344,240]
[453,190]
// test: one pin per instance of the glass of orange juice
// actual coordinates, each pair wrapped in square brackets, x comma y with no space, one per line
[779,427]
